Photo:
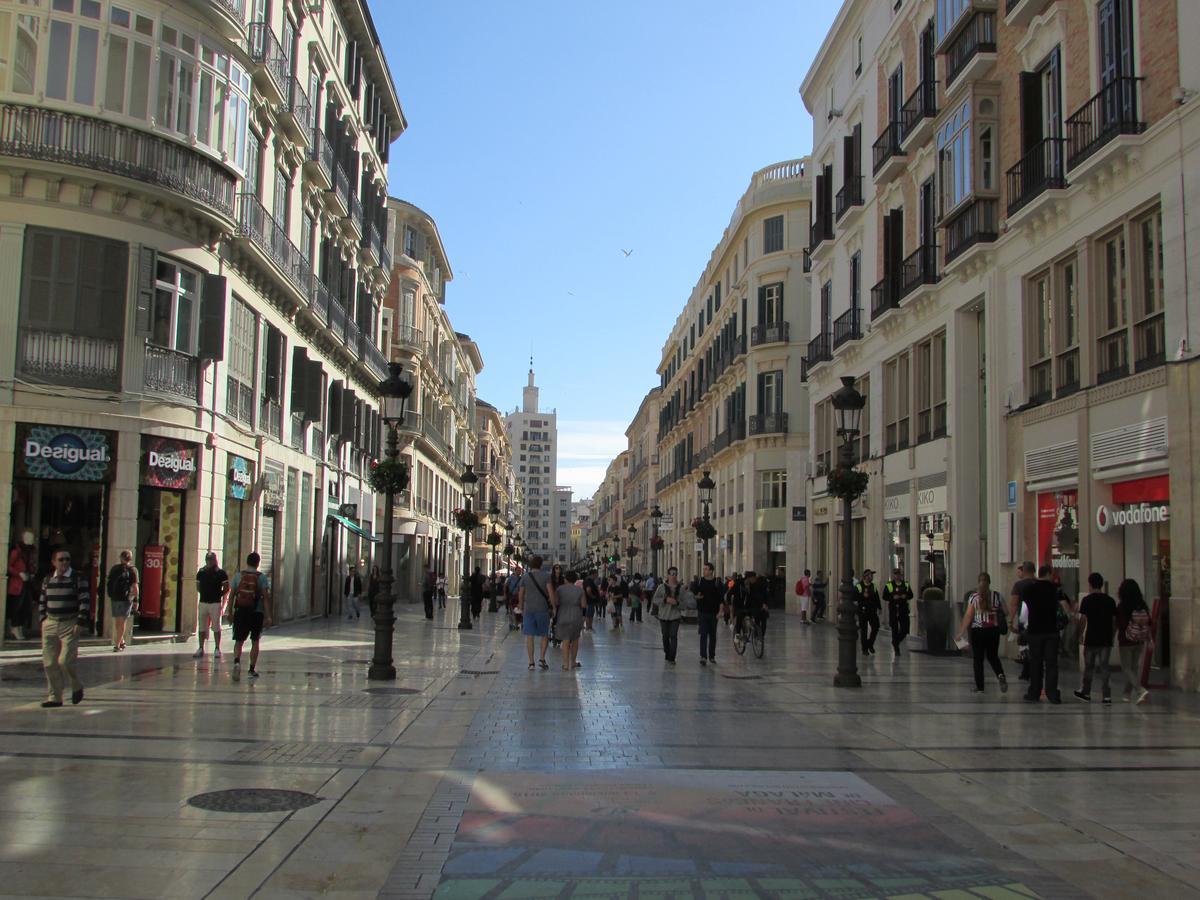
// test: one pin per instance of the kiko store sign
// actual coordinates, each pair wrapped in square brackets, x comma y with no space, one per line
[59,453]
[169,464]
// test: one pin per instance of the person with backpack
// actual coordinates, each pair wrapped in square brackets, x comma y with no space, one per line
[64,608]
[122,589]
[352,590]
[250,612]
[212,584]
[1098,613]
[1134,637]
[984,615]
[804,592]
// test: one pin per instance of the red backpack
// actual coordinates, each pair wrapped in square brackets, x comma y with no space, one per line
[248,591]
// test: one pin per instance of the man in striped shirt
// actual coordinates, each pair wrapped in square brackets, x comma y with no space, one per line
[63,608]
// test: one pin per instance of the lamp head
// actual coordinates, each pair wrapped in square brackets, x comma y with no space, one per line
[395,390]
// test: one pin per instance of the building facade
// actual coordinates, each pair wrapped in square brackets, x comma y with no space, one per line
[192,230]
[493,465]
[1022,216]
[533,436]
[641,438]
[438,436]
[607,533]
[734,401]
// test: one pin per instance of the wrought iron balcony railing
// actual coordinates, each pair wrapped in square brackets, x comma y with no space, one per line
[169,371]
[921,104]
[769,423]
[266,50]
[918,268]
[885,295]
[979,36]
[260,227]
[976,224]
[1041,169]
[769,334]
[70,359]
[320,152]
[847,327]
[820,349]
[1111,112]
[848,196]
[886,146]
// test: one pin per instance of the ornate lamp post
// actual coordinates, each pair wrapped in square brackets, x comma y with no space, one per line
[392,476]
[631,551]
[848,407]
[655,515]
[706,530]
[493,538]
[467,522]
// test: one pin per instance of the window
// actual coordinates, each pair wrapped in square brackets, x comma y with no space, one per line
[176,308]
[773,234]
[239,393]
[930,387]
[1112,349]
[864,426]
[858,55]
[1066,334]
[176,75]
[1041,387]
[896,402]
[856,280]
[772,489]
[73,284]
[770,304]
[73,51]
[954,157]
[1148,316]
[770,393]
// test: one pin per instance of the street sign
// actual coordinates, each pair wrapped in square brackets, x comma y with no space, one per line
[1012,495]
[799,514]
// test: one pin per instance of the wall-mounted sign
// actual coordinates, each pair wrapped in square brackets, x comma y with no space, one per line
[1142,514]
[170,464]
[57,453]
[931,499]
[799,514]
[272,489]
[241,477]
[1012,495]
[896,506]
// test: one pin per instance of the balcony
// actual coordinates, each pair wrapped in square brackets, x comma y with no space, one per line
[1040,170]
[885,296]
[918,270]
[70,359]
[917,115]
[1019,13]
[769,423]
[353,220]
[270,418]
[976,224]
[408,338]
[1040,388]
[259,227]
[1110,113]
[271,64]
[372,357]
[337,317]
[350,336]
[230,16]
[820,230]
[1112,360]
[972,52]
[1149,341]
[239,401]
[848,197]
[887,159]
[820,349]
[847,327]
[295,112]
[769,334]
[318,162]
[66,139]
[319,301]
[371,244]
[296,432]
[338,195]
[170,372]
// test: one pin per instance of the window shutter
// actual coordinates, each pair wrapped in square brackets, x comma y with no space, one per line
[313,381]
[334,409]
[147,262]
[819,194]
[848,172]
[299,379]
[1031,110]
[349,400]
[213,291]
[762,305]
[273,387]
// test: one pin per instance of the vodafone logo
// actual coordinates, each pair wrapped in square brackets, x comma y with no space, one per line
[1142,514]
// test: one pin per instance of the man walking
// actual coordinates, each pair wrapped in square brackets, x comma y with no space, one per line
[1041,599]
[1098,612]
[352,590]
[710,597]
[477,581]
[428,589]
[534,597]
[869,608]
[251,613]
[667,600]
[1026,573]
[896,594]
[818,586]
[212,584]
[64,608]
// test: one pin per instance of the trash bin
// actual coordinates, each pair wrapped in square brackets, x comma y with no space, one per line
[936,613]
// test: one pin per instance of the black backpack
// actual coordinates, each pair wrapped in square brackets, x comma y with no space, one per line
[120,581]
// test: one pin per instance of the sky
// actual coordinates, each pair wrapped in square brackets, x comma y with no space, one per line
[548,137]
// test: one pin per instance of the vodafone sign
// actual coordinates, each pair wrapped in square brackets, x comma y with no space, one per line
[1142,514]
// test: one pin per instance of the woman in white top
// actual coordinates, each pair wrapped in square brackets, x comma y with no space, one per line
[984,615]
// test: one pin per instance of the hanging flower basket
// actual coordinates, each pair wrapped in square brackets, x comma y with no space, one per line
[388,477]
[704,530]
[465,519]
[846,483]
[493,538]
[656,543]
[631,552]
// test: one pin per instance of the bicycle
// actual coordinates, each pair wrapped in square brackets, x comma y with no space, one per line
[755,635]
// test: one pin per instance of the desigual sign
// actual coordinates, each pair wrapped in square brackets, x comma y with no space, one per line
[57,453]
[1142,514]
[168,463]
[241,477]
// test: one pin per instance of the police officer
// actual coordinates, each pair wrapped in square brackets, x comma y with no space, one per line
[869,607]
[896,594]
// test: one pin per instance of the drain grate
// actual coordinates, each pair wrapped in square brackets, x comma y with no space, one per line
[743,677]
[253,800]
[390,690]
[478,671]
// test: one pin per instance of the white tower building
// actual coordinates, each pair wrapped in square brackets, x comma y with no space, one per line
[533,435]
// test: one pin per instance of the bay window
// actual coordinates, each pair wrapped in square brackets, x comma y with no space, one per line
[176,75]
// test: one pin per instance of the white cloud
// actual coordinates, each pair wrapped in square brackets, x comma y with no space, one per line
[589,440]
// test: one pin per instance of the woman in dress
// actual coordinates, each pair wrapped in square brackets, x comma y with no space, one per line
[569,601]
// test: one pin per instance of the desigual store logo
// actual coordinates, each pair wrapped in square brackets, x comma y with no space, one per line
[175,462]
[68,454]
[1108,518]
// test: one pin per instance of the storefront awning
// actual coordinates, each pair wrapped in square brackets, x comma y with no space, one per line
[355,527]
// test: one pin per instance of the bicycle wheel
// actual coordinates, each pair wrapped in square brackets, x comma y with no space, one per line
[756,638]
[739,641]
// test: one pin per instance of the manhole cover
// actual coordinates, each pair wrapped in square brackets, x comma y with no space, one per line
[390,690]
[253,800]
[478,672]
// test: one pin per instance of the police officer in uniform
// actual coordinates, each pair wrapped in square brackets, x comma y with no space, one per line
[896,594]
[869,608]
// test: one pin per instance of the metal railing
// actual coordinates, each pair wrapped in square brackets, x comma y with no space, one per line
[820,349]
[385,256]
[885,295]
[297,432]
[1067,365]
[270,418]
[316,446]
[885,147]
[1112,357]
[1040,384]
[408,336]
[266,50]
[169,371]
[352,333]
[337,316]
[979,36]
[978,223]
[1041,169]
[297,105]
[1149,343]
[70,359]
[233,8]
[42,134]
[320,151]
[921,104]
[239,400]
[372,356]
[918,268]
[356,212]
[820,230]
[768,334]
[1111,112]
[848,196]
[319,301]
[340,184]
[255,223]
[371,240]
[847,327]
[769,423]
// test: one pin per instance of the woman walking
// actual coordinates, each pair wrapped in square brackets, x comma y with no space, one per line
[984,614]
[569,602]
[617,592]
[666,605]
[1134,638]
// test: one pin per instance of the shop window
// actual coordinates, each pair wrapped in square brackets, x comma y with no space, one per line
[896,402]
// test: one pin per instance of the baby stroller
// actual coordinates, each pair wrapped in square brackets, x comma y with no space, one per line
[511,614]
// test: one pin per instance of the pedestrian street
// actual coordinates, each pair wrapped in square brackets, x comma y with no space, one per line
[472,777]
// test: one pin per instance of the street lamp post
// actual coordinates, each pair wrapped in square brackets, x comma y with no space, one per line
[655,515]
[494,540]
[395,391]
[848,407]
[470,481]
[707,486]
[632,551]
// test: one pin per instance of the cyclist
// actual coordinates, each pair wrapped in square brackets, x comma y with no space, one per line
[751,599]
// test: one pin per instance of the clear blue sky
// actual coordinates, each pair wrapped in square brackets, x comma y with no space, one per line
[546,137]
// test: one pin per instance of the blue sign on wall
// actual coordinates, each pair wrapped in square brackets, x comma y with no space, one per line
[1012,495]
[241,477]
[59,453]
